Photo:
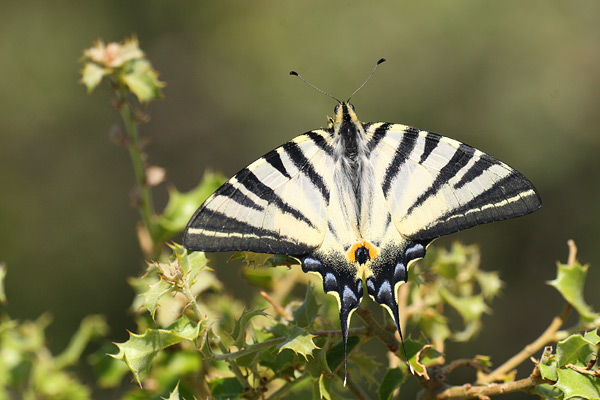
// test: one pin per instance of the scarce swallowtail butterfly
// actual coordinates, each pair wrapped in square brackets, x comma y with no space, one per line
[359,201]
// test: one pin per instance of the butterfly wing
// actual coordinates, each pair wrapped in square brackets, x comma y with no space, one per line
[435,185]
[278,204]
[431,186]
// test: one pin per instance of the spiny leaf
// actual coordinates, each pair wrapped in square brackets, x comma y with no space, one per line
[575,350]
[239,330]
[142,80]
[307,312]
[420,356]
[318,363]
[175,393]
[393,378]
[434,325]
[367,365]
[300,341]
[153,294]
[92,74]
[139,351]
[592,337]
[569,282]
[470,307]
[577,385]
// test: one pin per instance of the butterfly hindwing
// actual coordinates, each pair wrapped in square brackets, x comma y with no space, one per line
[278,204]
[435,185]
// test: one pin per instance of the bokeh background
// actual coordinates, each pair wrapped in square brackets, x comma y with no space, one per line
[519,80]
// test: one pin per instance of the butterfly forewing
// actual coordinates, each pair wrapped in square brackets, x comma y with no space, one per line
[435,185]
[278,204]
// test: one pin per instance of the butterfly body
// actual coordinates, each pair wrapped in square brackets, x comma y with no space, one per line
[359,201]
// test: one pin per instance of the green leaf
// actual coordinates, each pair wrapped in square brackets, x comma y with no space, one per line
[299,341]
[239,330]
[393,378]
[335,355]
[181,206]
[225,388]
[142,80]
[318,363]
[490,283]
[547,392]
[575,350]
[175,393]
[434,325]
[92,74]
[153,294]
[2,276]
[420,356]
[277,361]
[592,337]
[307,312]
[577,385]
[367,365]
[569,282]
[470,307]
[324,388]
[139,351]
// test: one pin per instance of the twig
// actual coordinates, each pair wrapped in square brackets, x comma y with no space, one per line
[278,309]
[250,349]
[275,341]
[377,330]
[468,391]
[146,204]
[583,370]
[548,336]
[473,363]
[572,252]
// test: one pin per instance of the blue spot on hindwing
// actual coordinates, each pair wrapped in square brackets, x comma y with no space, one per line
[329,282]
[385,292]
[400,273]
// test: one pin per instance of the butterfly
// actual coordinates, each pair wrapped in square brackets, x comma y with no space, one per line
[359,201]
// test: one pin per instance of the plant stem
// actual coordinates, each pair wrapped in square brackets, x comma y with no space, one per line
[250,349]
[377,330]
[546,337]
[486,391]
[137,159]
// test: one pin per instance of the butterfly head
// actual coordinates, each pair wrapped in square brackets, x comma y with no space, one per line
[344,112]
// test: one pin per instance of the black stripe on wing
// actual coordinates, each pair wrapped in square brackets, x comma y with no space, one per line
[267,241]
[512,196]
[400,157]
[254,185]
[458,161]
[293,150]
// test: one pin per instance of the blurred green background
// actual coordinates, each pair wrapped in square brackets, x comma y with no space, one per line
[517,79]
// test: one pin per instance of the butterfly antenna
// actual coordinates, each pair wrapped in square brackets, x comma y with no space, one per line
[381,60]
[294,73]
